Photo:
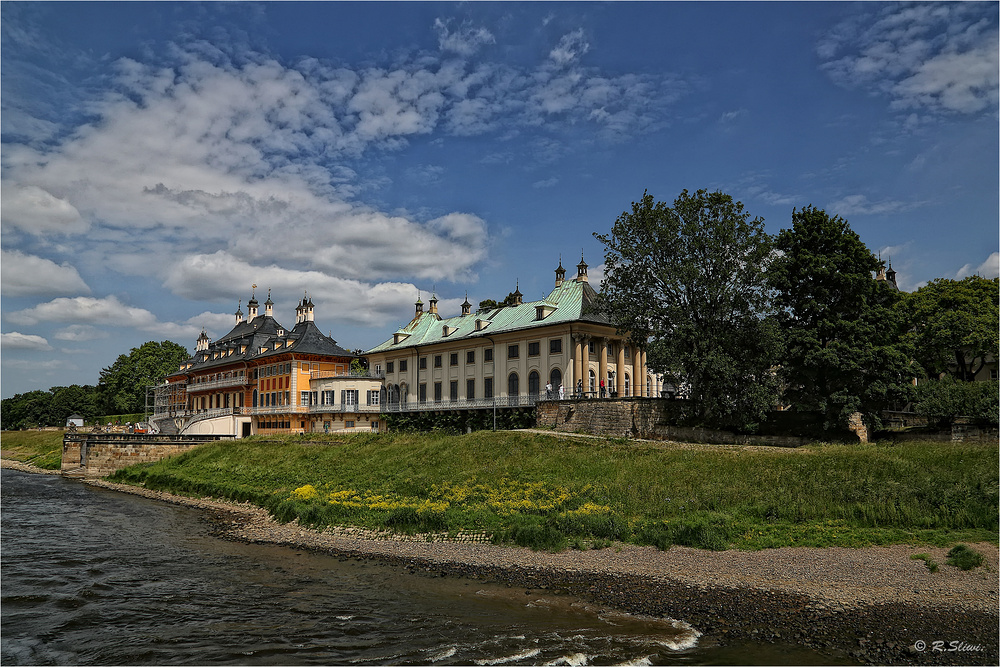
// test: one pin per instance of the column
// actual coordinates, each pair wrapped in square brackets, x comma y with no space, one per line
[602,374]
[578,349]
[620,372]
[638,376]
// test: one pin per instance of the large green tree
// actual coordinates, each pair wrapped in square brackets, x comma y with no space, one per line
[689,283]
[844,347]
[953,325]
[48,408]
[123,384]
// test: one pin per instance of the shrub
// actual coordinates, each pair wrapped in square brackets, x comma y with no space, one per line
[928,561]
[964,558]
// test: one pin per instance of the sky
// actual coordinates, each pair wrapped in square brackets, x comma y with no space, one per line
[159,159]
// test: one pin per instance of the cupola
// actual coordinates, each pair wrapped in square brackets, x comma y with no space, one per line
[466,306]
[252,306]
[581,271]
[560,274]
[518,297]
[239,312]
[203,341]
[268,305]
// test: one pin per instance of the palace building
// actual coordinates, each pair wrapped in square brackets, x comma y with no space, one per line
[509,354]
[264,378]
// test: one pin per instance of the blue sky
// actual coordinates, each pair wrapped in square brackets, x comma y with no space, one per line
[160,158]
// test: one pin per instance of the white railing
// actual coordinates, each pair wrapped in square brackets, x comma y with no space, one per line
[370,375]
[218,384]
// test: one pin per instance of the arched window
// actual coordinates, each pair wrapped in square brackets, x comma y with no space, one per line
[533,383]
[628,385]
[593,382]
[512,385]
[555,377]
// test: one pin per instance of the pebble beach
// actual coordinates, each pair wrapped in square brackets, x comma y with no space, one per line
[873,605]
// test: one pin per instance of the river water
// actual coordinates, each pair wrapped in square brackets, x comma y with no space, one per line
[95,577]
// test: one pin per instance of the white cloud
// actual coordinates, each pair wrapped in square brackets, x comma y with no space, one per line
[39,212]
[571,47]
[860,205]
[80,333]
[937,56]
[464,41]
[988,269]
[23,275]
[104,312]
[19,341]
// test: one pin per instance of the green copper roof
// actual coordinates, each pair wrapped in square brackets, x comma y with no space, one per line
[573,301]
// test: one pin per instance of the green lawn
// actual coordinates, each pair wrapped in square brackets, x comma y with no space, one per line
[549,492]
[39,448]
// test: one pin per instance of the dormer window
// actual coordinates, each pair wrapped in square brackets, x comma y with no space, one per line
[481,324]
[447,330]
[544,310]
[399,337]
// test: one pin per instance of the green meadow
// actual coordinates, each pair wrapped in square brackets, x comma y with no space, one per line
[550,492]
[42,449]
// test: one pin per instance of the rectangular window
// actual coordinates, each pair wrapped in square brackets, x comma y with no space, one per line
[402,365]
[437,361]
[453,390]
[488,388]
[453,360]
[590,347]
[390,367]
[534,349]
[488,354]
[555,346]
[304,398]
[313,398]
[513,352]
[437,392]
[470,357]
[373,396]
[470,389]
[349,423]
[349,396]
[423,363]
[328,397]
[374,424]
[423,392]
[378,369]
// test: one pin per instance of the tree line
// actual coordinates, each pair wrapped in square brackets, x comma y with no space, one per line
[121,389]
[741,321]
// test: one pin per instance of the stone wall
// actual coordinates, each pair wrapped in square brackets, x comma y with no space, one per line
[100,454]
[646,418]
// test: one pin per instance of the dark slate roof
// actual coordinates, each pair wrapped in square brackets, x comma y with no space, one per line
[262,332]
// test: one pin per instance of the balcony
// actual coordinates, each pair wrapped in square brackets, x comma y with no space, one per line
[365,375]
[238,381]
[462,404]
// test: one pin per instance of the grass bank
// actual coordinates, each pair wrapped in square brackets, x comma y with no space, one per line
[546,492]
[42,449]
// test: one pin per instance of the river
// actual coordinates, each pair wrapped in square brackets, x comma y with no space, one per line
[95,577]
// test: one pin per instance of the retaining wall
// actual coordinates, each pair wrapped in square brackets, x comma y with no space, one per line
[100,454]
[647,418]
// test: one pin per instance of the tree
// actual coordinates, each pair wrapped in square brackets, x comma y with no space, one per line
[688,283]
[953,325]
[944,401]
[844,348]
[123,385]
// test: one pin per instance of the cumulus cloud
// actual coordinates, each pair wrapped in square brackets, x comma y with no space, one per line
[988,269]
[936,56]
[19,341]
[37,211]
[80,333]
[26,275]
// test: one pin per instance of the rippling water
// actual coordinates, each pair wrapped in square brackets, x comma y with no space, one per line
[94,577]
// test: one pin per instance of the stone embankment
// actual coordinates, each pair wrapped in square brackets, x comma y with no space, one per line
[873,605]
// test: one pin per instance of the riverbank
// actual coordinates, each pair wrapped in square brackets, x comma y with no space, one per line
[873,605]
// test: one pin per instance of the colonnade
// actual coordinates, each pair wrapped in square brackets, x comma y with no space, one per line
[635,366]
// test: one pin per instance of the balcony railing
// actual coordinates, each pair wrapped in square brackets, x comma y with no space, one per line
[463,404]
[365,375]
[218,384]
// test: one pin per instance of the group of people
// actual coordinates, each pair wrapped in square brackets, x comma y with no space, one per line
[561,393]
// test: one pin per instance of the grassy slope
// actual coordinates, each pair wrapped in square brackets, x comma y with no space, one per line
[39,448]
[547,492]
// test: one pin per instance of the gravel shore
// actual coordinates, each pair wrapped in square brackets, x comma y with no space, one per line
[873,605]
